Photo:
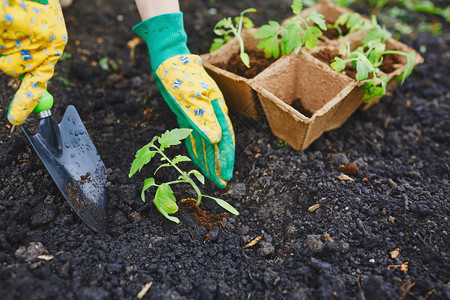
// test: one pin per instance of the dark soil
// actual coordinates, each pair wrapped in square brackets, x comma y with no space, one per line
[327,55]
[258,63]
[297,104]
[332,33]
[390,63]
[379,234]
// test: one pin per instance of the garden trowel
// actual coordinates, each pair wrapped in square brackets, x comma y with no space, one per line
[71,159]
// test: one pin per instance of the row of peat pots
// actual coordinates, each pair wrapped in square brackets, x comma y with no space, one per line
[300,94]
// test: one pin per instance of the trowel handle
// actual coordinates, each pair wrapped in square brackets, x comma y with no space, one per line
[44,106]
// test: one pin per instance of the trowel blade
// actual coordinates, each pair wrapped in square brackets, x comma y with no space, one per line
[71,158]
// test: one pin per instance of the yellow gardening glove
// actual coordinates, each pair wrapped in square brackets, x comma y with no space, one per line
[32,39]
[192,95]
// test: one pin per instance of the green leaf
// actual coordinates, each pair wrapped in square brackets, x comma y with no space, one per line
[410,59]
[220,31]
[291,38]
[216,44]
[165,202]
[225,205]
[143,157]
[319,19]
[247,22]
[148,183]
[268,30]
[345,3]
[342,19]
[270,46]
[103,63]
[198,175]
[310,37]
[249,10]
[245,59]
[162,166]
[338,64]
[173,137]
[377,34]
[297,6]
[363,67]
[225,23]
[311,41]
[354,19]
[376,53]
[180,158]
[384,81]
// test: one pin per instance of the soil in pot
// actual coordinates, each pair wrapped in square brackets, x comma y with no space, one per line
[297,104]
[391,62]
[328,55]
[258,62]
[332,33]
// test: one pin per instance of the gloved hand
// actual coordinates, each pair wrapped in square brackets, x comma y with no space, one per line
[32,38]
[192,95]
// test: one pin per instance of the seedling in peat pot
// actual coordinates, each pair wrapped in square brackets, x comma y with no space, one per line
[164,198]
[352,21]
[225,28]
[292,37]
[367,59]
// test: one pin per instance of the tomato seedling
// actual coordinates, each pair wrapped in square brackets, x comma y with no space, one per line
[226,27]
[297,33]
[352,21]
[164,198]
[368,57]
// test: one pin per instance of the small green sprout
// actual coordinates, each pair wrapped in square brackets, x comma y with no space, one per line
[281,143]
[64,80]
[164,198]
[292,37]
[108,64]
[65,56]
[352,21]
[226,27]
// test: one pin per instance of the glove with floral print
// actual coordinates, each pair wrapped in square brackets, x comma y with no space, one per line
[192,95]
[32,38]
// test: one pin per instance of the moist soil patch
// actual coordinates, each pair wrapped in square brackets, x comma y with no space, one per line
[381,235]
[208,220]
[258,62]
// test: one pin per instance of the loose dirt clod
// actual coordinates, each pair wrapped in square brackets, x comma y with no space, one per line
[349,169]
[208,220]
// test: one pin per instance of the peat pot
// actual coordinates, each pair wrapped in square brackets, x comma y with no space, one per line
[300,94]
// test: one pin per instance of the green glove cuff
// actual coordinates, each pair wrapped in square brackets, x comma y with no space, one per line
[165,37]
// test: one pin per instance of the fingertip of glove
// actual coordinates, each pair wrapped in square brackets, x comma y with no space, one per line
[227,174]
[221,184]
[15,122]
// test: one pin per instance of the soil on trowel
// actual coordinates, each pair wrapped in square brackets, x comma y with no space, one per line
[258,62]
[297,104]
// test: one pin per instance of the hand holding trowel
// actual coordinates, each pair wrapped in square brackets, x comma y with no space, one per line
[33,39]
